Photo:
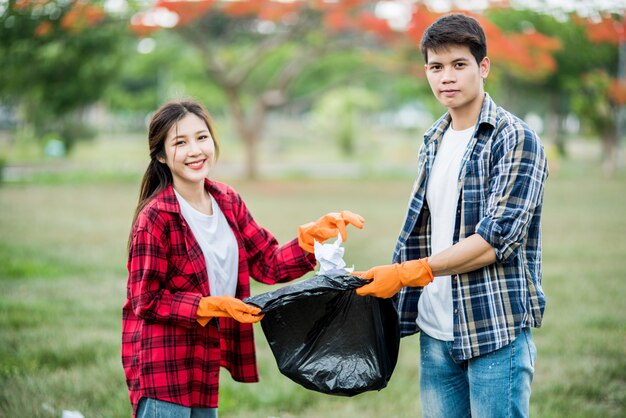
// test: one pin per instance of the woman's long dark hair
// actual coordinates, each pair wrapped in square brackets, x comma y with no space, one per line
[158,175]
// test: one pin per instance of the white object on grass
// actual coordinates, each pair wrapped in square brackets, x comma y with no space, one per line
[71,414]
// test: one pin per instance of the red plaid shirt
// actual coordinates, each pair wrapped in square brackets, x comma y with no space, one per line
[166,354]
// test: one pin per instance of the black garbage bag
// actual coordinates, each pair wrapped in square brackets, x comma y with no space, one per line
[329,339]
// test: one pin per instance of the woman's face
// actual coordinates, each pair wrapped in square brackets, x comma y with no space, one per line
[189,150]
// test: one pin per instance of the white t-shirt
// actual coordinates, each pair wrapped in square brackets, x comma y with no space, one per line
[442,194]
[218,244]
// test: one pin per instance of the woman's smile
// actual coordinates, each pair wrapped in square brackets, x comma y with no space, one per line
[196,165]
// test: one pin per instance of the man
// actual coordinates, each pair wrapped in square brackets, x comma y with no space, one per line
[468,259]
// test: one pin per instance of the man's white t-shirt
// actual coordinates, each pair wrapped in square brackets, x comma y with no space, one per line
[218,244]
[442,194]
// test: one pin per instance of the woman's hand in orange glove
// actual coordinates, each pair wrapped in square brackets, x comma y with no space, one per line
[389,279]
[328,226]
[227,307]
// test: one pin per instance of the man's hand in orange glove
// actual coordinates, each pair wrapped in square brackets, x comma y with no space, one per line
[328,226]
[388,280]
[227,307]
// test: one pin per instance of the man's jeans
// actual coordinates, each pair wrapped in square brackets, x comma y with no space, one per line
[495,385]
[153,408]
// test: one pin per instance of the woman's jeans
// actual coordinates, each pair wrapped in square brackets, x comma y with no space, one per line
[153,408]
[496,384]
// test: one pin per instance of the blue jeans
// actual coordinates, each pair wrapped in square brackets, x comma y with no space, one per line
[153,408]
[495,385]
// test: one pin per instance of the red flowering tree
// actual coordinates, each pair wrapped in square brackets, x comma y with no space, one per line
[255,51]
[562,92]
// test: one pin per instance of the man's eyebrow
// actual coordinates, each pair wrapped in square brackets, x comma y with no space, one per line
[462,59]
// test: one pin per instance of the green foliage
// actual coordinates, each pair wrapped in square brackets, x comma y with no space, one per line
[137,85]
[233,41]
[561,93]
[173,69]
[577,55]
[333,70]
[52,74]
[338,111]
[591,103]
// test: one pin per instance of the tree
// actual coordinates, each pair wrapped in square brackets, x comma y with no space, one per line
[338,111]
[260,53]
[597,101]
[518,53]
[57,57]
[602,97]
[579,56]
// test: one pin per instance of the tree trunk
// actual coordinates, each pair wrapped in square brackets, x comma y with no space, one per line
[554,124]
[250,142]
[609,150]
[249,130]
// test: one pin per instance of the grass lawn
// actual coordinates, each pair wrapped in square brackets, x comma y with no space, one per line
[62,285]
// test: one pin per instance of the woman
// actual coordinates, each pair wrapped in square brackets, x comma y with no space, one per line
[193,247]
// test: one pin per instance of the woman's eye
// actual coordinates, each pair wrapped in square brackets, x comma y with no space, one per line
[177,143]
[203,137]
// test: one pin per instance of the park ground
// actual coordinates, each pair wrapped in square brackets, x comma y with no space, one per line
[63,235]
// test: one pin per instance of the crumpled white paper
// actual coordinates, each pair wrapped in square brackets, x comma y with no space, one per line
[330,258]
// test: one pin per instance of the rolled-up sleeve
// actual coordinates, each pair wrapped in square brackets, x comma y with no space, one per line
[515,189]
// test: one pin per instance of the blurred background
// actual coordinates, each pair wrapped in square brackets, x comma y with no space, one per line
[319,106]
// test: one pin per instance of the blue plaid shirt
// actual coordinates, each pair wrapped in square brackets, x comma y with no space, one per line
[501,186]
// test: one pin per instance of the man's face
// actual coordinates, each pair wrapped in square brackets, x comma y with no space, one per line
[455,77]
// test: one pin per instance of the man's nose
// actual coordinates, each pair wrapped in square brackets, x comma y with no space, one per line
[448,75]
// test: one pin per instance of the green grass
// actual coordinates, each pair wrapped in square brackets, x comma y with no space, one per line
[62,284]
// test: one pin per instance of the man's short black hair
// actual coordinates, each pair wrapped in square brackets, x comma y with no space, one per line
[455,29]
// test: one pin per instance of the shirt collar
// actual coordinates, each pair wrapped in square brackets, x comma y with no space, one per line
[487,116]
[167,202]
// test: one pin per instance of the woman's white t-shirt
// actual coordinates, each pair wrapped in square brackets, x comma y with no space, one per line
[218,245]
[442,194]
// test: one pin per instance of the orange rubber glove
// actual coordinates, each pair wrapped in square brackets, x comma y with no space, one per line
[389,279]
[226,307]
[328,226]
